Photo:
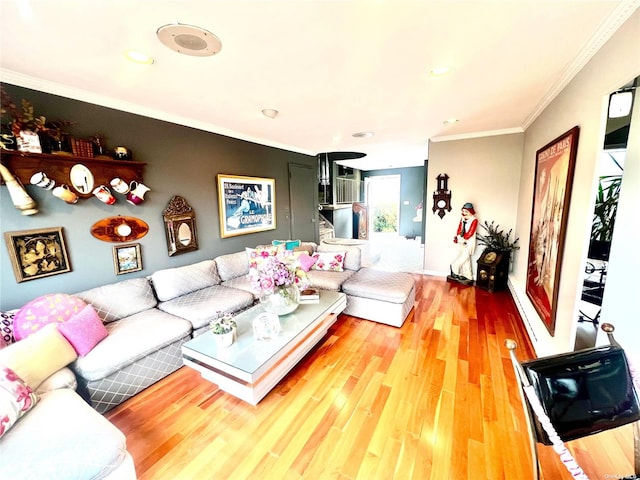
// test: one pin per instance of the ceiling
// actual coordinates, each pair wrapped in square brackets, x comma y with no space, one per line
[331,68]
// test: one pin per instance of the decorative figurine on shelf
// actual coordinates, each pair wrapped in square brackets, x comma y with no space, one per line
[465,239]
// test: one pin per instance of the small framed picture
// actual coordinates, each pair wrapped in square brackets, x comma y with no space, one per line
[37,253]
[127,258]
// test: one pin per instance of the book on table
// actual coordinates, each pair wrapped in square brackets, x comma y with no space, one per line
[309,295]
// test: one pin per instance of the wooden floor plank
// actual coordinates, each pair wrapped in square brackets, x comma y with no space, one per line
[434,399]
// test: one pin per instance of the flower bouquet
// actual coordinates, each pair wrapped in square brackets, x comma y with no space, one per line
[277,279]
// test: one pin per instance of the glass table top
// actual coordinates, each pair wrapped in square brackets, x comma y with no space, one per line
[247,353]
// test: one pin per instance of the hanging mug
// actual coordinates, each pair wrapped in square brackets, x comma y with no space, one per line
[120,186]
[104,195]
[40,179]
[136,195]
[63,192]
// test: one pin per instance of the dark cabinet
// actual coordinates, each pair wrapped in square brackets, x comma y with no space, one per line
[493,270]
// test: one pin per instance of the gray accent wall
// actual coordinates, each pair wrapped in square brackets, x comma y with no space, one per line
[180,161]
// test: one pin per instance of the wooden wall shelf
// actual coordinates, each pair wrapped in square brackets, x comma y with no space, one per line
[58,167]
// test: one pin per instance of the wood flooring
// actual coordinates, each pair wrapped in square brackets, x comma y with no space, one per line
[433,400]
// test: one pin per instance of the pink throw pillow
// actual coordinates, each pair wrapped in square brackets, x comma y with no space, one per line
[52,308]
[84,331]
[306,261]
[329,261]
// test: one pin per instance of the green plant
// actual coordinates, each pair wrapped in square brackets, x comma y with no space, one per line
[606,207]
[223,323]
[496,239]
[385,218]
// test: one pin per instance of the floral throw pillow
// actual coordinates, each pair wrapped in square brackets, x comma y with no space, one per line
[258,255]
[16,399]
[329,261]
[6,329]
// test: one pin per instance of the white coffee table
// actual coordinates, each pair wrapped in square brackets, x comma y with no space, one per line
[250,368]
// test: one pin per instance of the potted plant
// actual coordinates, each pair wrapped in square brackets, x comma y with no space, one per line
[604,216]
[24,125]
[493,264]
[223,328]
[496,240]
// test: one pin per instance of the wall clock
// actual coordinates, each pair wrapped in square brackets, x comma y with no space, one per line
[442,196]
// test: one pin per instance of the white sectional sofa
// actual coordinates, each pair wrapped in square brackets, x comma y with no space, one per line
[148,319]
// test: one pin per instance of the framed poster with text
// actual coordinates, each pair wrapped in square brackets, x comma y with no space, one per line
[246,204]
[555,164]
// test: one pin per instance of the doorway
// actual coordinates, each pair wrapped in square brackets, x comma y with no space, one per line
[382,196]
[610,171]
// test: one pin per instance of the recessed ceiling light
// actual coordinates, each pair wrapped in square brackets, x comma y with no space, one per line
[439,71]
[139,57]
[270,112]
[363,134]
[449,121]
[189,40]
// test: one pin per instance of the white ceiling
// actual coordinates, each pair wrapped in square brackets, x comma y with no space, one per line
[331,68]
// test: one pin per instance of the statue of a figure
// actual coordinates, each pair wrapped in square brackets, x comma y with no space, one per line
[465,240]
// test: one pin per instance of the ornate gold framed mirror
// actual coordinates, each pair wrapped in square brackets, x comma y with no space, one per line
[180,226]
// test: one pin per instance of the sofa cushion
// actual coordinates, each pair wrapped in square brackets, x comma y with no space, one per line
[50,308]
[391,287]
[130,339]
[16,399]
[242,283]
[39,355]
[201,306]
[328,280]
[120,299]
[173,282]
[352,255]
[84,330]
[61,438]
[232,265]
[63,378]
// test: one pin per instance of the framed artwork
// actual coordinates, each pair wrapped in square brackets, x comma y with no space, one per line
[127,258]
[555,164]
[247,205]
[37,253]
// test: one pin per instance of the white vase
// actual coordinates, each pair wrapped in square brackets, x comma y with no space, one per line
[283,301]
[224,340]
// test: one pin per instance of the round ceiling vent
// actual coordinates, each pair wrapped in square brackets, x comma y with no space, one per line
[189,40]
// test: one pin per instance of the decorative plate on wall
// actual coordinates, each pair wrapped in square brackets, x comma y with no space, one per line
[81,178]
[119,229]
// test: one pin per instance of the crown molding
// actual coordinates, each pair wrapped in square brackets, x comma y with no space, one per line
[467,136]
[621,14]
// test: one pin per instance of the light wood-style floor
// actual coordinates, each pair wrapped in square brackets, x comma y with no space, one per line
[435,399]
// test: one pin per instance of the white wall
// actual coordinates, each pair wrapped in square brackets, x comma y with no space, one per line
[497,175]
[484,171]
[583,103]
